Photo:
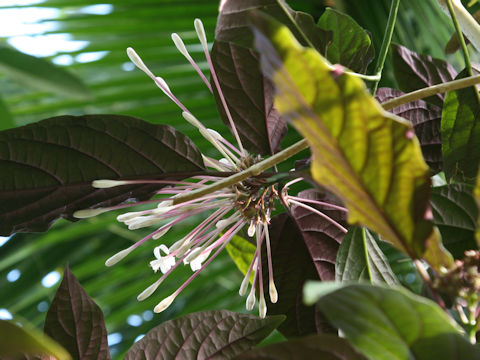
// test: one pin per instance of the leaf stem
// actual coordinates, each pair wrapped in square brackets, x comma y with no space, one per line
[431,90]
[387,39]
[461,39]
[253,170]
[282,4]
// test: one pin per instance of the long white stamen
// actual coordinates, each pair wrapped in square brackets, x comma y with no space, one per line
[86,213]
[329,219]
[251,228]
[250,300]
[149,290]
[262,307]
[162,85]
[165,303]
[209,162]
[203,40]
[219,138]
[183,50]
[133,56]
[119,256]
[272,290]
[105,184]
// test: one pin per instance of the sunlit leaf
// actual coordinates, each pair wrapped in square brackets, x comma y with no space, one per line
[76,321]
[204,335]
[40,74]
[351,46]
[360,258]
[387,324]
[461,134]
[324,346]
[414,71]
[425,119]
[48,167]
[241,251]
[368,157]
[21,339]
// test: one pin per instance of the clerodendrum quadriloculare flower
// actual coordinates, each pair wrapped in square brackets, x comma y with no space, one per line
[246,204]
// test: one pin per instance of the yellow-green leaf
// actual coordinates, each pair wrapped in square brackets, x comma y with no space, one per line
[16,340]
[241,251]
[368,157]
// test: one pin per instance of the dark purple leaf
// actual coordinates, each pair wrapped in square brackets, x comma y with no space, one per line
[204,335]
[292,266]
[461,134]
[249,96]
[321,237]
[324,347]
[426,119]
[76,322]
[414,71]
[48,167]
[233,24]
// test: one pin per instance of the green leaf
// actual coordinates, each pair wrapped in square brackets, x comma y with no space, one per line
[204,335]
[48,166]
[6,118]
[40,74]
[386,324]
[476,193]
[241,251]
[360,258]
[351,45]
[16,340]
[368,157]
[414,71]
[76,321]
[324,346]
[455,213]
[461,134]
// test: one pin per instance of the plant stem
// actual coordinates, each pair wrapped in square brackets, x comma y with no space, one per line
[461,39]
[253,170]
[387,39]
[431,90]
[294,23]
[426,278]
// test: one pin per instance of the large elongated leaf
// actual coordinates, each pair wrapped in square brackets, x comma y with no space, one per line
[455,213]
[40,74]
[351,46]
[205,335]
[461,135]
[292,266]
[249,96]
[476,193]
[76,322]
[48,167]
[414,71]
[391,323]
[368,157]
[322,237]
[325,347]
[6,118]
[360,258]
[18,340]
[426,119]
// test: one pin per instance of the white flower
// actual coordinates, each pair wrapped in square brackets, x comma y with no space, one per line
[164,263]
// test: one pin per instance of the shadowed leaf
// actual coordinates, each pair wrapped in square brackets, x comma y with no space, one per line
[387,324]
[76,322]
[476,193]
[48,167]
[426,119]
[351,46]
[6,118]
[40,74]
[360,258]
[322,237]
[368,157]
[204,335]
[249,96]
[461,134]
[325,347]
[414,71]
[25,340]
[455,213]
[292,266]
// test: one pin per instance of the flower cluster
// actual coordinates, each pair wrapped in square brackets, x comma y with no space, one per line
[248,203]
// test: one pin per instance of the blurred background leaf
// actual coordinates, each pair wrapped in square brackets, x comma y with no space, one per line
[93,37]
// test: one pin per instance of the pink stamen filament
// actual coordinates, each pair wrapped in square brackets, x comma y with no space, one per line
[329,219]
[269,253]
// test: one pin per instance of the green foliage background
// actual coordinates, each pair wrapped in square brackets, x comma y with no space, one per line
[146,25]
